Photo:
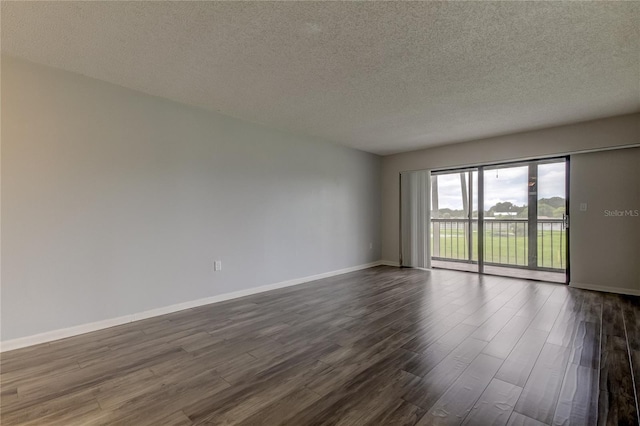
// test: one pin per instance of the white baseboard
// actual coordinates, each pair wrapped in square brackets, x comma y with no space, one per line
[619,290]
[397,265]
[49,336]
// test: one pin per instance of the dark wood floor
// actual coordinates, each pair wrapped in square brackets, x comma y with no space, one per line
[383,346]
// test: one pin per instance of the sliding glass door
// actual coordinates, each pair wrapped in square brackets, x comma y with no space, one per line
[521,229]
[454,220]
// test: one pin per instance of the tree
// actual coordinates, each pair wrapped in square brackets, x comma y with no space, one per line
[554,202]
[545,210]
[559,212]
[504,207]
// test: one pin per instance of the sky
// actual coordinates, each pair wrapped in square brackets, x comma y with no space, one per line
[508,184]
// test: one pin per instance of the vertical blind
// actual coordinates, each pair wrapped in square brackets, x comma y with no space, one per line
[414,219]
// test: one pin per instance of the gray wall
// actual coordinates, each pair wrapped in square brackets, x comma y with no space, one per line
[115,202]
[606,133]
[605,239]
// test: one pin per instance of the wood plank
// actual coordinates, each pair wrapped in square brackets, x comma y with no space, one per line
[616,404]
[240,402]
[631,316]
[578,398]
[384,396]
[495,405]
[339,403]
[518,419]
[617,401]
[488,330]
[401,414]
[281,410]
[540,394]
[456,403]
[546,316]
[578,402]
[504,342]
[436,382]
[518,365]
[164,400]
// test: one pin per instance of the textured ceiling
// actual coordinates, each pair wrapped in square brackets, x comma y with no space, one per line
[383,77]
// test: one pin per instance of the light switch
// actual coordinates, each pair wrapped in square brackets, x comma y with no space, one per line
[583,207]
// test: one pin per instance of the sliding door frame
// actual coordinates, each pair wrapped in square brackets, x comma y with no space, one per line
[480,219]
[468,220]
[532,197]
[567,219]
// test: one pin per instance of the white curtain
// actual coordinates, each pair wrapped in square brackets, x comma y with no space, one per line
[415,188]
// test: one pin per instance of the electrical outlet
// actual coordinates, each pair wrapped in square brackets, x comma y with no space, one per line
[217,265]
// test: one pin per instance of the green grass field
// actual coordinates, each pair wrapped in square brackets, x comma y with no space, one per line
[509,248]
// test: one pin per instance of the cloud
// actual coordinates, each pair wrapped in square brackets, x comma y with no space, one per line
[504,184]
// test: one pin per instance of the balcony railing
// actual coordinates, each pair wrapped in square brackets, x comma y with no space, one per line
[506,242]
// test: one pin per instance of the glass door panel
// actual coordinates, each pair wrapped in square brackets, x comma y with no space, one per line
[506,210]
[524,233]
[552,238]
[454,220]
